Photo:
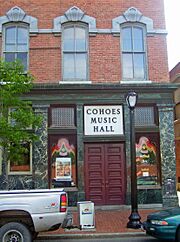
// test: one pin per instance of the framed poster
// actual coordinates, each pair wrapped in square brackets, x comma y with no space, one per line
[63,169]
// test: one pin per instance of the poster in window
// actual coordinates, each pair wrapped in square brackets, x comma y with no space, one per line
[63,168]
[146,160]
[63,148]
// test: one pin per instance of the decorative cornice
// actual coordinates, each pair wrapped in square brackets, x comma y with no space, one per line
[16,14]
[74,14]
[132,15]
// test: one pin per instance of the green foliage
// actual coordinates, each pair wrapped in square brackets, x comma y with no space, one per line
[17,119]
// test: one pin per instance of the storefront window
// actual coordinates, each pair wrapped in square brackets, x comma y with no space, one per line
[63,163]
[24,164]
[147,160]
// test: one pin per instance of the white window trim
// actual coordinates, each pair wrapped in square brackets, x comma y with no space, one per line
[76,80]
[15,15]
[136,80]
[132,15]
[74,14]
[135,17]
[21,24]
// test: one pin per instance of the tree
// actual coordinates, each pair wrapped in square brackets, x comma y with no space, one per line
[17,119]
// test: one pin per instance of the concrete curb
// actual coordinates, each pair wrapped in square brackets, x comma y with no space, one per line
[91,235]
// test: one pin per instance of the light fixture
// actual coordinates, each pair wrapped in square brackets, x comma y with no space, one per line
[131,99]
[134,218]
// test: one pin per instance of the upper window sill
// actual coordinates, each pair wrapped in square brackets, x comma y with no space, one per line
[75,82]
[133,81]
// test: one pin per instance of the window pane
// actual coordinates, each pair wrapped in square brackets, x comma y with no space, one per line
[62,117]
[24,164]
[10,35]
[68,43]
[81,66]
[127,66]
[138,39]
[147,161]
[127,39]
[69,71]
[80,35]
[22,47]
[10,57]
[22,35]
[139,66]
[144,116]
[23,58]
[10,47]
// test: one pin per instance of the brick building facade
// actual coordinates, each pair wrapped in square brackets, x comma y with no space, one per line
[85,57]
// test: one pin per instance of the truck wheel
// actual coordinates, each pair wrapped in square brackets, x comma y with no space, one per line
[15,232]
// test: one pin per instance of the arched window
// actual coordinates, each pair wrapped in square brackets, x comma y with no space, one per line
[16,43]
[75,52]
[133,52]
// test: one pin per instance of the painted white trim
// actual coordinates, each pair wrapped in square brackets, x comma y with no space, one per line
[16,14]
[133,15]
[74,14]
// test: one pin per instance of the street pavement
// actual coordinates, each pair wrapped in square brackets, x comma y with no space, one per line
[109,223]
[113,239]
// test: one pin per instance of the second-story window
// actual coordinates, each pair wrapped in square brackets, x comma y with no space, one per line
[16,44]
[133,52]
[75,55]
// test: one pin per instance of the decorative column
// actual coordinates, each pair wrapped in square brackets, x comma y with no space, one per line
[168,158]
[80,153]
[40,150]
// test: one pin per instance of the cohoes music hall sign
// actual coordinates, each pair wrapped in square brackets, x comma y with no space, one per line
[103,120]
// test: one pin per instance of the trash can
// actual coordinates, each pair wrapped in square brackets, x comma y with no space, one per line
[86,215]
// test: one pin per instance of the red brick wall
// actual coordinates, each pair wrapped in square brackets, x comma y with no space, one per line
[175,71]
[104,49]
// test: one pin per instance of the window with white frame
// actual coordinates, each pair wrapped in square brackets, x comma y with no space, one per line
[24,164]
[75,52]
[16,43]
[133,52]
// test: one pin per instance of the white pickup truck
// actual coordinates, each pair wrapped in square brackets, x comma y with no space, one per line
[25,213]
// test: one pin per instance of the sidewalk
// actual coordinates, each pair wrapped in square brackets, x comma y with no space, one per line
[110,222]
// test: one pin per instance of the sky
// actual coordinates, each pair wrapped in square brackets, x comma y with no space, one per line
[172,14]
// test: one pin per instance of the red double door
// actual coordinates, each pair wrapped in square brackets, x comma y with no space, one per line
[105,173]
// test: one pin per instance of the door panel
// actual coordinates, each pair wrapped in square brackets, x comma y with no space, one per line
[104,173]
[114,173]
[94,175]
